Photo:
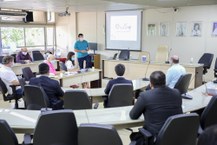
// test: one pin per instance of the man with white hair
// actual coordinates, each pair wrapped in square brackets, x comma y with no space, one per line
[174,72]
[23,56]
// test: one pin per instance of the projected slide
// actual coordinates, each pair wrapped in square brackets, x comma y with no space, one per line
[123,28]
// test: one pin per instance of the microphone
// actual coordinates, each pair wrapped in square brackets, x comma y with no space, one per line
[168,59]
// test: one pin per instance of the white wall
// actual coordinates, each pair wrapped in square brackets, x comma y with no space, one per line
[92,25]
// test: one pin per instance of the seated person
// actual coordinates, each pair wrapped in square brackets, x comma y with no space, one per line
[157,104]
[70,62]
[51,87]
[23,56]
[8,76]
[209,136]
[120,70]
[174,72]
[50,61]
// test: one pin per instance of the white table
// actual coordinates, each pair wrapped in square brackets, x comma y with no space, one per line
[23,121]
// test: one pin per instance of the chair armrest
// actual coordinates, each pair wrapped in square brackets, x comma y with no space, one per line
[200,131]
[145,133]
[27,139]
[14,88]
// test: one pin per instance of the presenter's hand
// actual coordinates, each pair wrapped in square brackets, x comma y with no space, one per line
[83,51]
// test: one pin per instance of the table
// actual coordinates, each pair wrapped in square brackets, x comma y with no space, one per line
[136,69]
[17,67]
[93,76]
[23,121]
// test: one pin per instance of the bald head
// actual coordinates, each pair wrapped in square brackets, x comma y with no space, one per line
[175,59]
[24,49]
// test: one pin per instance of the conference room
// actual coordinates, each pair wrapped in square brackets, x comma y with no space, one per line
[108,72]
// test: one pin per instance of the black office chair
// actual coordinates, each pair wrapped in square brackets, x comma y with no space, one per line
[177,130]
[215,69]
[9,97]
[120,95]
[1,57]
[35,98]
[27,73]
[55,128]
[183,84]
[98,134]
[15,57]
[63,66]
[7,135]
[209,117]
[206,60]
[37,56]
[124,55]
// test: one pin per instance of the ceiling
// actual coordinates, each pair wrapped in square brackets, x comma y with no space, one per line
[98,5]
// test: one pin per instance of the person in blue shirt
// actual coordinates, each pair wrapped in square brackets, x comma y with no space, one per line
[174,72]
[82,48]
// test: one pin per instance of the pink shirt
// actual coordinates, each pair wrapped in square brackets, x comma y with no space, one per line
[51,68]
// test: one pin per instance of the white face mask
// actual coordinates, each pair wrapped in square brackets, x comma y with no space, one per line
[24,53]
[72,58]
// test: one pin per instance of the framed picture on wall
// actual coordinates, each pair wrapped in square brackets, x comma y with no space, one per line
[164,29]
[196,29]
[214,29]
[181,29]
[152,28]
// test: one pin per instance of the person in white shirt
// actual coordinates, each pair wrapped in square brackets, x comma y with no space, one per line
[174,72]
[70,62]
[8,76]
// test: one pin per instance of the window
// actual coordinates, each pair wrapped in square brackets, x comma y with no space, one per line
[50,36]
[34,36]
[12,37]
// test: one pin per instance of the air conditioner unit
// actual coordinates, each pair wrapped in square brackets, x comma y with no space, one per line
[13,14]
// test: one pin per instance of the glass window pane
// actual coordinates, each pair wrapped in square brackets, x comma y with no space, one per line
[50,36]
[12,37]
[34,36]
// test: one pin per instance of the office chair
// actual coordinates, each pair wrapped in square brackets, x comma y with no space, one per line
[63,66]
[9,97]
[1,57]
[35,97]
[177,130]
[27,73]
[124,55]
[209,117]
[76,99]
[57,127]
[120,95]
[183,84]
[37,56]
[98,134]
[206,60]
[7,135]
[15,57]
[215,69]
[162,54]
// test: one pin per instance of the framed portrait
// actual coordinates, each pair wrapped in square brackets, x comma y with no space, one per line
[214,29]
[152,28]
[164,29]
[196,29]
[181,29]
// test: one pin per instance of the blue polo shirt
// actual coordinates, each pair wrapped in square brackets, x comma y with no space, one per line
[81,45]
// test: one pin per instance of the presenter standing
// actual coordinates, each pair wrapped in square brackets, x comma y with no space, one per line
[82,48]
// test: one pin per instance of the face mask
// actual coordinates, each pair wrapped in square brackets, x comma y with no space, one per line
[53,61]
[24,53]
[72,58]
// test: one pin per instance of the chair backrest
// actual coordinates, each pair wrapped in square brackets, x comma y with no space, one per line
[121,95]
[124,55]
[35,97]
[1,57]
[7,136]
[96,134]
[27,73]
[215,64]
[15,57]
[4,89]
[183,83]
[179,130]
[162,54]
[36,55]
[144,53]
[209,117]
[76,99]
[56,128]
[63,66]
[206,60]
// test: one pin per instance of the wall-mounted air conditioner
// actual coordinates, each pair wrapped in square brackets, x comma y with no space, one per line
[19,14]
